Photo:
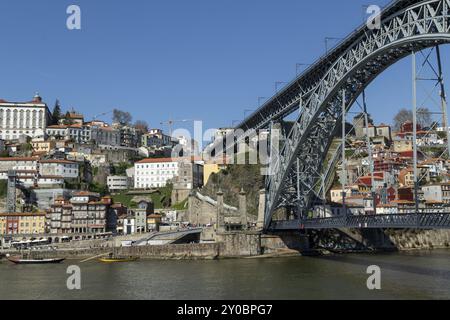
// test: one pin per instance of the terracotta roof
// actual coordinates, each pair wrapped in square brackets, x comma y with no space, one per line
[60,126]
[74,115]
[51,177]
[403,202]
[19,159]
[22,214]
[85,193]
[57,161]
[159,160]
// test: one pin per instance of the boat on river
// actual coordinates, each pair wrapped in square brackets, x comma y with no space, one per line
[118,259]
[17,260]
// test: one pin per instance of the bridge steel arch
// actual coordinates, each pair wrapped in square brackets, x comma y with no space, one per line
[407,26]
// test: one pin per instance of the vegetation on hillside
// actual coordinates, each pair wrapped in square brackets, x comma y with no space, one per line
[3,188]
[121,168]
[160,198]
[232,180]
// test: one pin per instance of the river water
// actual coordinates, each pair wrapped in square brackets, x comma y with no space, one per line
[413,275]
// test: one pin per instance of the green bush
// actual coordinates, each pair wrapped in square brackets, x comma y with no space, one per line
[3,188]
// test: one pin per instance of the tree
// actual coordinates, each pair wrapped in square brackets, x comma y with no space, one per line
[360,118]
[424,117]
[401,117]
[122,117]
[141,125]
[56,115]
[404,115]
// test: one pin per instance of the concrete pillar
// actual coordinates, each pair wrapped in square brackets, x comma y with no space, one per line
[191,206]
[243,207]
[261,209]
[220,221]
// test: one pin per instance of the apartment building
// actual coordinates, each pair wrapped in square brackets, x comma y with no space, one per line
[154,173]
[117,183]
[85,212]
[62,168]
[22,223]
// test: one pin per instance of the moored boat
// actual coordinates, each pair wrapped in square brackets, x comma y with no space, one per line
[118,259]
[34,261]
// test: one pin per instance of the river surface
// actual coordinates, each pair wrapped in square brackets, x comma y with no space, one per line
[413,275]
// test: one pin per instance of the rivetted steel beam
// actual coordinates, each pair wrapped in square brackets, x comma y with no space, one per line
[412,26]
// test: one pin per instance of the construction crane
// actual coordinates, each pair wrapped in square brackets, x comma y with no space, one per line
[101,115]
[171,122]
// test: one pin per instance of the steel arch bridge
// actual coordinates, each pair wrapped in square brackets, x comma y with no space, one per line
[335,80]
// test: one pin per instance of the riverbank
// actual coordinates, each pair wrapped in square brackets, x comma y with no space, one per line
[251,245]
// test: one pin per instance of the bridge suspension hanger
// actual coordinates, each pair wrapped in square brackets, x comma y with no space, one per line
[369,153]
[344,162]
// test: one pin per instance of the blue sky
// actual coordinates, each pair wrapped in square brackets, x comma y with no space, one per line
[201,59]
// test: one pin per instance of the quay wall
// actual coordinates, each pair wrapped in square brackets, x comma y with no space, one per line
[419,239]
[404,239]
[175,251]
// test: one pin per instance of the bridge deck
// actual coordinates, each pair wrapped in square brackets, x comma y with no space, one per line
[387,221]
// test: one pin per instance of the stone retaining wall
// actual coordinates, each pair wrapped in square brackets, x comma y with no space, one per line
[181,251]
[419,239]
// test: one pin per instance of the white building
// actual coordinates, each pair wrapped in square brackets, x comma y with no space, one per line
[154,173]
[91,131]
[22,166]
[41,181]
[117,183]
[129,225]
[23,118]
[62,168]
[155,138]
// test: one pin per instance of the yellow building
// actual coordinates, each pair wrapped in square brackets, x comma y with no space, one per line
[43,146]
[153,221]
[213,166]
[22,223]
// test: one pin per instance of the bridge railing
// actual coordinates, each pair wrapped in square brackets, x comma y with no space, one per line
[393,221]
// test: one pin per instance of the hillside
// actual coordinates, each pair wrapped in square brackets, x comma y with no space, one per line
[231,180]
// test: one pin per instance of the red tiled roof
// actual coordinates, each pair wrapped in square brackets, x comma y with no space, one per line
[60,126]
[159,160]
[19,159]
[57,161]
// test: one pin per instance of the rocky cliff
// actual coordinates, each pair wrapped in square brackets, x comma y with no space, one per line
[232,180]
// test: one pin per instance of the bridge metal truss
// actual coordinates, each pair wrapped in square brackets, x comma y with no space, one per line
[296,168]
[389,221]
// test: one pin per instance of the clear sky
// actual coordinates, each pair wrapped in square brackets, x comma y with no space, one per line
[200,59]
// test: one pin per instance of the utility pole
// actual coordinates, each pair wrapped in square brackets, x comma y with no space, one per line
[414,103]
